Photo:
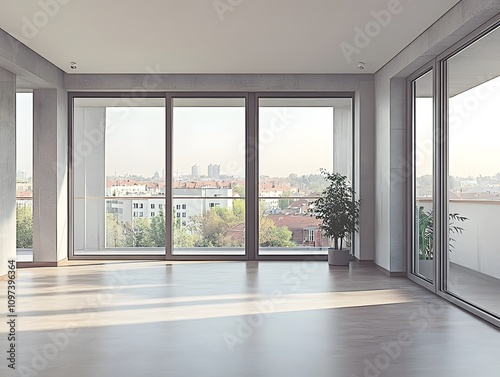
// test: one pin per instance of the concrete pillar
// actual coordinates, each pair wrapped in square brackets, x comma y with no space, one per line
[7,169]
[400,170]
[89,178]
[50,176]
[364,146]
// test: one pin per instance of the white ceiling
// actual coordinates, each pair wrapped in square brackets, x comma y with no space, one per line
[189,36]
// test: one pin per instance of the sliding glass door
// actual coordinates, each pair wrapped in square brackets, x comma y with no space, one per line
[473,253]
[455,180]
[422,261]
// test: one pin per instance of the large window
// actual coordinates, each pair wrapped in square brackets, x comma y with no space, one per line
[297,138]
[24,176]
[208,176]
[182,175]
[473,255]
[118,176]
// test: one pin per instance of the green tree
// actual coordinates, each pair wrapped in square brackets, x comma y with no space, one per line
[157,229]
[240,190]
[285,203]
[210,229]
[183,237]
[115,236]
[239,210]
[271,235]
[24,227]
[138,234]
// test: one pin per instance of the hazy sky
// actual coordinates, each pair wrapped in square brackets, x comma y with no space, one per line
[293,140]
[296,140]
[135,143]
[475,132]
[24,140]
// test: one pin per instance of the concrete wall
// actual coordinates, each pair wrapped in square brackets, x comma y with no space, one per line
[391,162]
[50,175]
[33,71]
[7,169]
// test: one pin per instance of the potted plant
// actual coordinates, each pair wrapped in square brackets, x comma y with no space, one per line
[426,232]
[340,212]
[426,238]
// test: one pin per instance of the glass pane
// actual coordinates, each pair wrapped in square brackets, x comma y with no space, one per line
[24,181]
[209,176]
[297,138]
[423,126]
[473,258]
[119,176]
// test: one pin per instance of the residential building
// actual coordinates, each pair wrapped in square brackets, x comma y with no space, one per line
[213,171]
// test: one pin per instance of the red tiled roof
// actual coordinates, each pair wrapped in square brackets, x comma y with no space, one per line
[295,221]
[299,203]
[24,194]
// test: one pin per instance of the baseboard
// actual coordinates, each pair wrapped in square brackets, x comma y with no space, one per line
[390,273]
[62,262]
[364,262]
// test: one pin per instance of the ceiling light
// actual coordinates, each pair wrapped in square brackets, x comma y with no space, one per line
[361,65]
[72,65]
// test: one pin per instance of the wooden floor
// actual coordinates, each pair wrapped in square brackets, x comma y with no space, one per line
[284,319]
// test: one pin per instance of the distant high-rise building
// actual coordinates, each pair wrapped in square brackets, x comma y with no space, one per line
[195,171]
[213,171]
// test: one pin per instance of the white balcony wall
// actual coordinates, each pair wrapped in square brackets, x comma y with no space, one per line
[478,247]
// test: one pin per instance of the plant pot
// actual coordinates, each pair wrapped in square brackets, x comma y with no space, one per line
[426,268]
[338,257]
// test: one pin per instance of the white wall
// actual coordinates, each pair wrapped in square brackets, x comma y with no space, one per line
[391,163]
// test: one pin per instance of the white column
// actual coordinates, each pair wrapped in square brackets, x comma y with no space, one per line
[7,169]
[50,176]
[89,178]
